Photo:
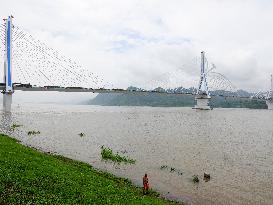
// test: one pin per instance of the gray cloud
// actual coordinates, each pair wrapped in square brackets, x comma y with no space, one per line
[132,42]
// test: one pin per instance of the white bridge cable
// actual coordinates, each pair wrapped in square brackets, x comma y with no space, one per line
[220,83]
[19,62]
[36,63]
[42,61]
[171,79]
[25,71]
[263,95]
[72,65]
[216,82]
[45,66]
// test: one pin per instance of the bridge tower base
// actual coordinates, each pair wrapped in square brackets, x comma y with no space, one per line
[202,98]
[202,102]
[7,101]
[269,104]
[8,90]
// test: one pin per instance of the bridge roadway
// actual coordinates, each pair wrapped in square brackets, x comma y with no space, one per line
[90,90]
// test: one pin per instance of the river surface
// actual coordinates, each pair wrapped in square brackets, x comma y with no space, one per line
[235,146]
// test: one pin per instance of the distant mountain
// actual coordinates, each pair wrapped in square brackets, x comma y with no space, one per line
[156,99]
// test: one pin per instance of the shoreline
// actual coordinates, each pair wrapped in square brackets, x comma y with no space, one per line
[35,161]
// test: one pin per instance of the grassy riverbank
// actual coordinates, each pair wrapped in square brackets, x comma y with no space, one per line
[28,176]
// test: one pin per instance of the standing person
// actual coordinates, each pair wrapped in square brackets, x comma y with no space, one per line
[145,184]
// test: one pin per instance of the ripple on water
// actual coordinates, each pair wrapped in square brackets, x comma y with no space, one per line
[234,145]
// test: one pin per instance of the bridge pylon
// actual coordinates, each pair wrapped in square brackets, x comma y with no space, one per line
[202,98]
[8,90]
[269,97]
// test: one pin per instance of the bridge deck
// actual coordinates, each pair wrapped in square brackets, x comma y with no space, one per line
[90,90]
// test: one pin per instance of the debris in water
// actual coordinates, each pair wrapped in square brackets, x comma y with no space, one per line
[33,132]
[81,134]
[171,169]
[14,126]
[206,177]
[163,167]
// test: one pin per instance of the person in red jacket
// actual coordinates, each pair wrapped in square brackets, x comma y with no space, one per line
[145,184]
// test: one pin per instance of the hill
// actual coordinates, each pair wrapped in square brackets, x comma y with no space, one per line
[159,100]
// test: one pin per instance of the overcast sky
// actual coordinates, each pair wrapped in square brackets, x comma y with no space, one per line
[138,42]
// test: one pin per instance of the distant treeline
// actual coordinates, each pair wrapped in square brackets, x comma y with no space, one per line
[162,100]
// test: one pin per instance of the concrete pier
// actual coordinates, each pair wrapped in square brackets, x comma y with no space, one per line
[202,98]
[269,104]
[7,101]
[202,102]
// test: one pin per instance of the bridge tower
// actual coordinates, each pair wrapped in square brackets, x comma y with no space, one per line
[8,90]
[269,97]
[202,98]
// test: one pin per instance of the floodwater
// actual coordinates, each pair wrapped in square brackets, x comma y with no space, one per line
[234,146]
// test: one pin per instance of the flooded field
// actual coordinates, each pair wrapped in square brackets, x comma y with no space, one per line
[235,146]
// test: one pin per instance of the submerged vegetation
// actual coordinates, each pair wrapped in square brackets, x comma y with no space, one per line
[28,176]
[33,132]
[14,126]
[164,167]
[81,134]
[195,179]
[107,154]
[171,169]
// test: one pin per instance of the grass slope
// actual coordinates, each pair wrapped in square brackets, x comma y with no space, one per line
[28,176]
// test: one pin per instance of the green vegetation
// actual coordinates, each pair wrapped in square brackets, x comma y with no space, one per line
[28,176]
[195,179]
[148,99]
[107,154]
[33,132]
[14,126]
[159,100]
[237,103]
[164,167]
[81,134]
[171,169]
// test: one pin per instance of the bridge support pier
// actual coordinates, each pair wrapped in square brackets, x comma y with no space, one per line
[202,98]
[7,101]
[8,91]
[202,102]
[269,104]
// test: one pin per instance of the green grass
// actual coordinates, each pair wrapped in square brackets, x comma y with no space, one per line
[107,154]
[28,176]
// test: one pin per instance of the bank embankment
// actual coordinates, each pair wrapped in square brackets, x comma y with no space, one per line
[28,176]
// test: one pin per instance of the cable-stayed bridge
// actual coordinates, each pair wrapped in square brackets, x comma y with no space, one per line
[30,65]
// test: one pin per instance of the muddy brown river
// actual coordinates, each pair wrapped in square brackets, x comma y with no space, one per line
[234,146]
